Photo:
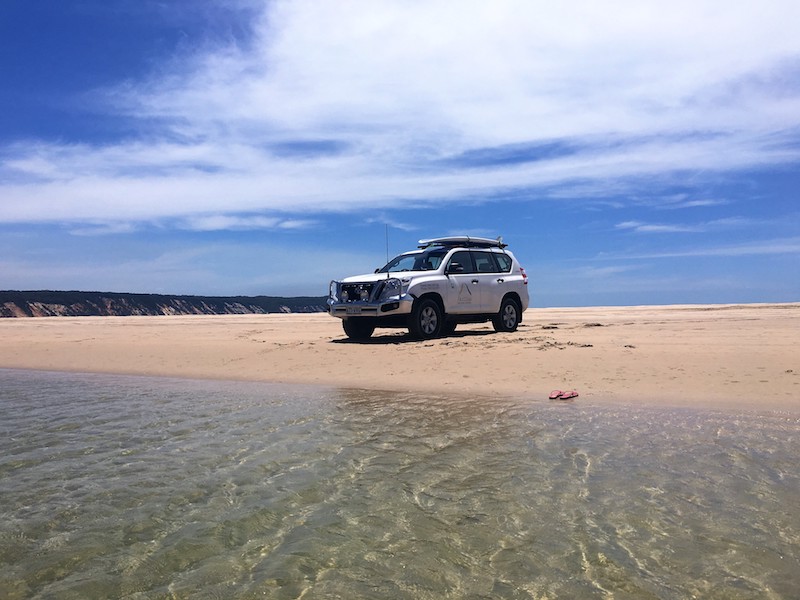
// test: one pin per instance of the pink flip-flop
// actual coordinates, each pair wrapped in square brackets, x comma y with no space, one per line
[569,395]
[555,394]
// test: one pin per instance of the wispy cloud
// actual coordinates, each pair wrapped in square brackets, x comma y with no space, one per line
[385,219]
[778,246]
[727,223]
[241,223]
[640,227]
[760,248]
[680,201]
[686,203]
[603,273]
[100,229]
[338,107]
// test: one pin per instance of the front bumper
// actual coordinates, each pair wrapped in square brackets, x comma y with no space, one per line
[369,309]
[384,298]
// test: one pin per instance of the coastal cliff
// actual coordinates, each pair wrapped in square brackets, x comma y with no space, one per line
[45,303]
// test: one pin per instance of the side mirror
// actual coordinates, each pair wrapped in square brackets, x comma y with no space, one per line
[455,268]
[376,270]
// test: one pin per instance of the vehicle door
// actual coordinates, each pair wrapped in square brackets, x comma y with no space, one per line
[513,276]
[490,280]
[463,291]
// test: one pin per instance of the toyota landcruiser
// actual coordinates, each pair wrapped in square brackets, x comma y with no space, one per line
[444,282]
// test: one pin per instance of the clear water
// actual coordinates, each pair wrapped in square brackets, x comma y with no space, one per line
[123,487]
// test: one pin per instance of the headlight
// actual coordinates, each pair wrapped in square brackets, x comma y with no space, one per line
[392,288]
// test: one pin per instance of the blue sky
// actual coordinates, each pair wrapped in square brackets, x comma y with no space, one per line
[630,152]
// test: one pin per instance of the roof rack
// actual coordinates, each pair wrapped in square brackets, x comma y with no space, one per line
[464,241]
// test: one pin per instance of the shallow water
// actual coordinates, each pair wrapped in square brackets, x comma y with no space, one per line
[125,487]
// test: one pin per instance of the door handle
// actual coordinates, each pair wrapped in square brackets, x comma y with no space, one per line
[474,281]
[500,280]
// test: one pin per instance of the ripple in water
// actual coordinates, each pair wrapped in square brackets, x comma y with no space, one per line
[123,487]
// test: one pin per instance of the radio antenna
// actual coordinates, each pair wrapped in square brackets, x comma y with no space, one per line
[387,242]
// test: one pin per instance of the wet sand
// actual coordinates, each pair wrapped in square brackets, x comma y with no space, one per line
[743,356]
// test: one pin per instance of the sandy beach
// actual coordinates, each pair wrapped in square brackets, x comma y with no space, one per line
[744,356]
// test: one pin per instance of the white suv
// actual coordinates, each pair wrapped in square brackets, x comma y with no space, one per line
[445,282]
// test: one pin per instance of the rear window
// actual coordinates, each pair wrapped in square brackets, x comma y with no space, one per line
[505,262]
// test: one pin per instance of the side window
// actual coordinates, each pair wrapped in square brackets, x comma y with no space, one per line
[460,262]
[504,261]
[431,260]
[484,262]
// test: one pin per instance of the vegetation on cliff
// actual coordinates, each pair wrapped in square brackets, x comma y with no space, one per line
[46,303]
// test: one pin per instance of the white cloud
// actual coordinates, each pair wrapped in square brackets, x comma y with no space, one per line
[241,223]
[100,228]
[382,91]
[698,203]
[603,273]
[640,227]
[759,248]
[386,220]
[724,224]
[769,247]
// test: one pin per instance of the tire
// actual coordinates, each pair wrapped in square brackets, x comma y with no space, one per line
[358,329]
[426,320]
[508,318]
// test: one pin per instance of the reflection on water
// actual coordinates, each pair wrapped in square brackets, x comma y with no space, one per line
[122,487]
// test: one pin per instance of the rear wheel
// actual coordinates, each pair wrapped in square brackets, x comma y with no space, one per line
[358,329]
[426,320]
[508,317]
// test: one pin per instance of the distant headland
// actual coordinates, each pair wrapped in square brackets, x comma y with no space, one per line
[47,303]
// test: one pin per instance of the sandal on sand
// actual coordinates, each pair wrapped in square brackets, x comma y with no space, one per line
[555,394]
[569,395]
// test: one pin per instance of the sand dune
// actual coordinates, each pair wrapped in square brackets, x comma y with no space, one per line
[724,356]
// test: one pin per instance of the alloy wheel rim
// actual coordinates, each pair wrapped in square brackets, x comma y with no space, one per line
[428,320]
[510,316]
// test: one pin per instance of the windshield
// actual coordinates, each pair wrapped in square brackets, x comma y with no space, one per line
[428,260]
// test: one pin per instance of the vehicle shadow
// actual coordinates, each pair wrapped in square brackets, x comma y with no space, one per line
[407,338]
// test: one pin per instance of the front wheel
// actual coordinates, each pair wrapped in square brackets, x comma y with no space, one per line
[508,318]
[426,320]
[358,329]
